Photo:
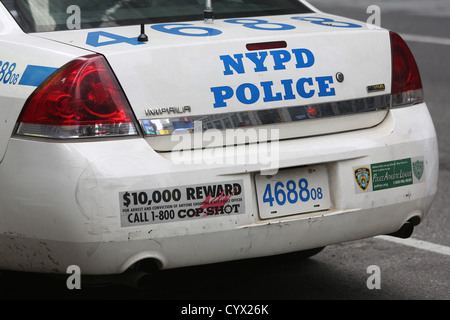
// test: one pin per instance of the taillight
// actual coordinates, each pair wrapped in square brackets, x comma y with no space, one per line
[406,82]
[82,99]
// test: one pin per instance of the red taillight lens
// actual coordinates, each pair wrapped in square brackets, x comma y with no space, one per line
[406,82]
[82,99]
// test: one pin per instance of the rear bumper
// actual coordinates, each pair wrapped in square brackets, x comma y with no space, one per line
[61,203]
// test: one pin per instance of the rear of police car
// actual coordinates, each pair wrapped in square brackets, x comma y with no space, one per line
[186,133]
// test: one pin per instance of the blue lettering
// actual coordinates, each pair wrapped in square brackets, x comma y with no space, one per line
[261,24]
[300,55]
[324,86]
[236,64]
[301,88]
[328,22]
[254,93]
[249,93]
[288,93]
[268,94]
[279,58]
[258,61]
[179,29]
[221,94]
[94,37]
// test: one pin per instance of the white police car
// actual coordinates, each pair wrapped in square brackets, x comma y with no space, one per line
[192,132]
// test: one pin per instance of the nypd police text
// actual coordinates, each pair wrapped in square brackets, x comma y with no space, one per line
[301,88]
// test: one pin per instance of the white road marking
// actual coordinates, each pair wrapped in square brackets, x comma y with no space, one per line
[426,39]
[420,244]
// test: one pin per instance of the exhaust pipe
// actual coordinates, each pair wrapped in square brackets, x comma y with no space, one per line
[404,232]
[141,275]
[136,279]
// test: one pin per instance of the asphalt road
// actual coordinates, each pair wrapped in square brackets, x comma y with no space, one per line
[414,269]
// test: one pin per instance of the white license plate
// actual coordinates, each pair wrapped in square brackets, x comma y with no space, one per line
[293,191]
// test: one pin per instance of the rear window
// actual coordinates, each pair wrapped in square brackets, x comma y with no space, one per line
[53,15]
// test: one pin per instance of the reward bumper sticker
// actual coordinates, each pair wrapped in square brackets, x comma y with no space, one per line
[162,205]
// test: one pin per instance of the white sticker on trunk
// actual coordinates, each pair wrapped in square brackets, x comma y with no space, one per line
[184,203]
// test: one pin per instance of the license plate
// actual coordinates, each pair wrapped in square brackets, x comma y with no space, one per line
[293,191]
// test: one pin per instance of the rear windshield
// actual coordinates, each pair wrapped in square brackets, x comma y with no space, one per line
[53,15]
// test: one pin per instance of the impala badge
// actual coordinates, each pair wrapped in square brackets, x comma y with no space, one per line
[167,111]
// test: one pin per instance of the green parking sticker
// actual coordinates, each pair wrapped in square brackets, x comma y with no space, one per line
[388,174]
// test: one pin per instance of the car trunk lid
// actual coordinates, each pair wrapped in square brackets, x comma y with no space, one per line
[301,75]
